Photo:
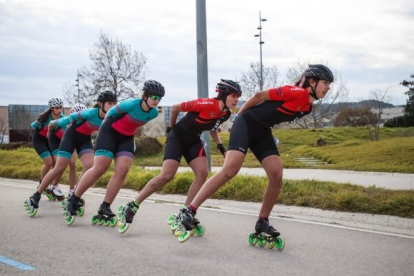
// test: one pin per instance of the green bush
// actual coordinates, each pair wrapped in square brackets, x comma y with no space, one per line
[147,146]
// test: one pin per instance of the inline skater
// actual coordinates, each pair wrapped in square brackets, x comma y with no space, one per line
[41,143]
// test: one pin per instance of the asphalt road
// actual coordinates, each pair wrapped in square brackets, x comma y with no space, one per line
[148,248]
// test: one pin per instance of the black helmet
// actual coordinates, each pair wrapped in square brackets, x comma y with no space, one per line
[153,87]
[319,71]
[228,87]
[107,96]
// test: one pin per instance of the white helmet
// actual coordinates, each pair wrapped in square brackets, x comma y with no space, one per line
[55,102]
[77,107]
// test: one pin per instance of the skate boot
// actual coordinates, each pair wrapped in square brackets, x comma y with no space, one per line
[126,214]
[32,204]
[189,225]
[72,208]
[49,193]
[57,193]
[266,235]
[104,216]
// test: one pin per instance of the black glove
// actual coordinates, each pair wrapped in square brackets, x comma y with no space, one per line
[221,148]
[168,129]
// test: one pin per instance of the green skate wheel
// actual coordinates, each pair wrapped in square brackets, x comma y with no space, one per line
[261,241]
[279,243]
[199,230]
[107,222]
[253,239]
[33,212]
[80,211]
[175,225]
[100,221]
[120,209]
[184,236]
[171,219]
[123,227]
[70,220]
[63,203]
[94,220]
[112,222]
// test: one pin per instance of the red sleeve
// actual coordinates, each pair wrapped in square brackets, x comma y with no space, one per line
[197,105]
[285,93]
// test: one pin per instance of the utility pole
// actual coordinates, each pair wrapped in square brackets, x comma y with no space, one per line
[202,65]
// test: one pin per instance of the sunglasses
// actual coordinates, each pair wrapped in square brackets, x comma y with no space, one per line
[155,97]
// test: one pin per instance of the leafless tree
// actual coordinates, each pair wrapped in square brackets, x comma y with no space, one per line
[250,80]
[115,67]
[381,99]
[355,116]
[322,112]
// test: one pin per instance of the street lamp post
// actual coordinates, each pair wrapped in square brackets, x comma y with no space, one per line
[260,43]
[78,85]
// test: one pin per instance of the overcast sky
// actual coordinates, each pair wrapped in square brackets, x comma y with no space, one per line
[370,43]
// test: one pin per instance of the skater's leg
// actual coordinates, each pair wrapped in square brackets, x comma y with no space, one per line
[122,166]
[274,170]
[72,172]
[47,165]
[169,169]
[57,171]
[232,164]
[200,169]
[93,170]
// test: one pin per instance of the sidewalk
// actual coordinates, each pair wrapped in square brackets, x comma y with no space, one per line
[392,181]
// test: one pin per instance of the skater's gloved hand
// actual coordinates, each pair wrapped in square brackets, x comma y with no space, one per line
[168,129]
[221,148]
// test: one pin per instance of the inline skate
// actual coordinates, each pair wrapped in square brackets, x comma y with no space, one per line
[266,235]
[73,207]
[54,193]
[32,204]
[126,213]
[104,216]
[188,226]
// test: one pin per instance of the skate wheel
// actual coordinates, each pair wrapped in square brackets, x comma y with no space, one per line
[279,243]
[62,204]
[94,220]
[112,222]
[270,244]
[120,209]
[33,212]
[80,211]
[178,232]
[175,225]
[70,220]
[253,239]
[171,219]
[261,241]
[184,236]
[107,222]
[100,221]
[199,230]
[123,228]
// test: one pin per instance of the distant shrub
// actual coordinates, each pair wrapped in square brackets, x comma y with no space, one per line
[147,146]
[16,145]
